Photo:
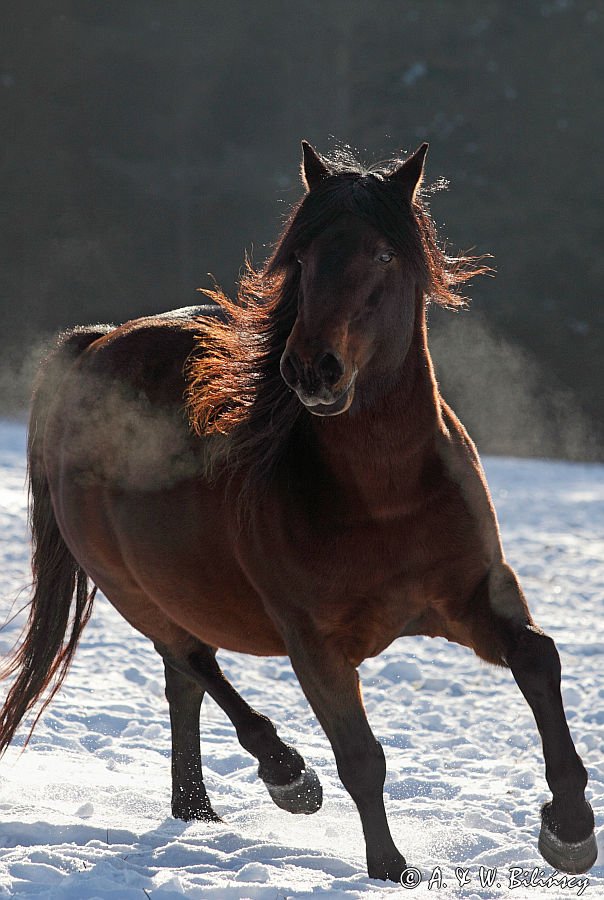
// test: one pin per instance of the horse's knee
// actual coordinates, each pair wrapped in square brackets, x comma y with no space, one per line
[505,597]
[533,655]
[495,615]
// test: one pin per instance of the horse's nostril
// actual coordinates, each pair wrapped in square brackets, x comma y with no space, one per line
[290,369]
[331,368]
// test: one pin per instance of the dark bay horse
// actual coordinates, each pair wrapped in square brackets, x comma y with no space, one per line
[281,476]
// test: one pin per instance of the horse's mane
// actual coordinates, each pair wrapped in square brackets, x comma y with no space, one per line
[235,388]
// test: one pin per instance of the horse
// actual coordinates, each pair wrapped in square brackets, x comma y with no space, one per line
[280,475]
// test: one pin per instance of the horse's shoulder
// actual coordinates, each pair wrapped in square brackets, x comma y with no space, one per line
[462,466]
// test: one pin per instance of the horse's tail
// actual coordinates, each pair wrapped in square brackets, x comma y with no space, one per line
[43,657]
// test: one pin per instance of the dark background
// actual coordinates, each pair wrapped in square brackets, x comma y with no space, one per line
[148,143]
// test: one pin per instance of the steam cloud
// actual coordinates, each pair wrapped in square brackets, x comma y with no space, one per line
[508,403]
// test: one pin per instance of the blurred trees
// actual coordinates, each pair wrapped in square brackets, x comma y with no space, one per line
[148,143]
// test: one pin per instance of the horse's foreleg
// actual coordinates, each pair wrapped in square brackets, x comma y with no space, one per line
[331,685]
[189,796]
[291,784]
[501,631]
[567,838]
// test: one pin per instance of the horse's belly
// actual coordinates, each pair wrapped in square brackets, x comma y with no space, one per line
[224,621]
[168,557]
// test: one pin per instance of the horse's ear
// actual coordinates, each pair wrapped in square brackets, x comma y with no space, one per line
[409,173]
[314,168]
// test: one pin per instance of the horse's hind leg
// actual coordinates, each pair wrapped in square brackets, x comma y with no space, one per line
[291,784]
[567,838]
[189,796]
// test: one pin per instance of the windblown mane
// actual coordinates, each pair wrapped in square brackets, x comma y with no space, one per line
[235,388]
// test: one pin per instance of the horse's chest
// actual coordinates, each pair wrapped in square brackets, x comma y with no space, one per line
[366,580]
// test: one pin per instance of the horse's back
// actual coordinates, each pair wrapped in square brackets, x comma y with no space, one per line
[148,355]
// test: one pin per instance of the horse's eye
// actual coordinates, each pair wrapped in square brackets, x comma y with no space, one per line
[298,259]
[387,256]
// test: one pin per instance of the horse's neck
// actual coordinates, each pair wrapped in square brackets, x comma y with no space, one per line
[376,457]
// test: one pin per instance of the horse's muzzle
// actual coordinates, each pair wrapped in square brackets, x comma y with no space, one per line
[317,382]
[328,403]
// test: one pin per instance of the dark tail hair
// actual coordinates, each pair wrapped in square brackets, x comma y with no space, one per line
[43,657]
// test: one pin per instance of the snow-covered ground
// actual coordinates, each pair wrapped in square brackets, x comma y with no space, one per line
[85,813]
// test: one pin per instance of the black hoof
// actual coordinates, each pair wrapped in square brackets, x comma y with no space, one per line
[394,869]
[574,857]
[302,795]
[190,812]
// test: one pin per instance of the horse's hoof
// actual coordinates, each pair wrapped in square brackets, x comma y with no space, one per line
[574,858]
[196,813]
[302,795]
[394,869]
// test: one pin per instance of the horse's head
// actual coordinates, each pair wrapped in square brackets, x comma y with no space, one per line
[357,243]
[336,313]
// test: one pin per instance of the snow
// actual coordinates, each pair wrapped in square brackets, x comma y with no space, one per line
[85,809]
